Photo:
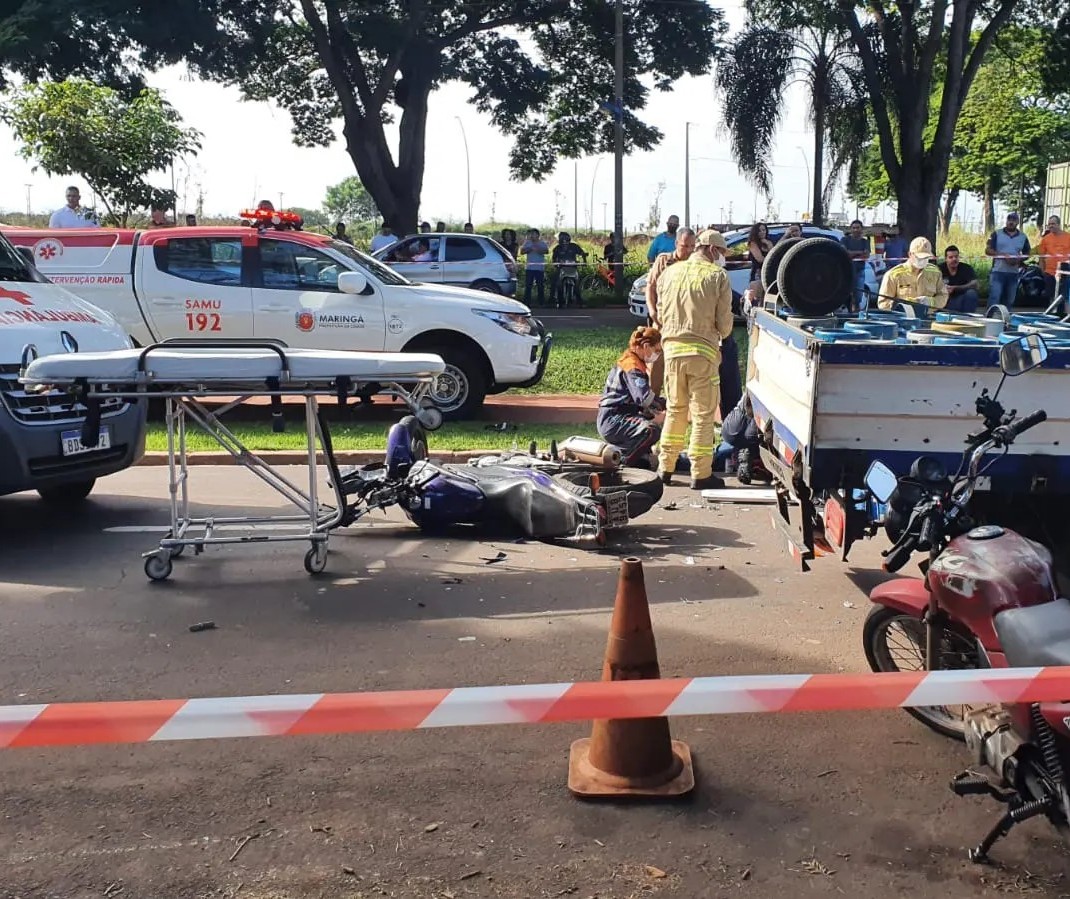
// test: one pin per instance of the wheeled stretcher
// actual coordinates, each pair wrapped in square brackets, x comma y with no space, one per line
[185,373]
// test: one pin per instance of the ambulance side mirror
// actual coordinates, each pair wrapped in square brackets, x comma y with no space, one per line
[27,254]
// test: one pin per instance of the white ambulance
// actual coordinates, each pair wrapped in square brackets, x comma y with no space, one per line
[40,432]
[304,289]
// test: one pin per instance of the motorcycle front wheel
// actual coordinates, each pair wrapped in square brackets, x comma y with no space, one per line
[894,641]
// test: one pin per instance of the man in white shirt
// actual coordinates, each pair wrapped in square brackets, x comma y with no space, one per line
[384,238]
[71,215]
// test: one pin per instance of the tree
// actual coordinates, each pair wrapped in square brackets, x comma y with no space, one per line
[1006,156]
[911,49]
[79,128]
[1010,128]
[799,42]
[541,69]
[314,218]
[349,201]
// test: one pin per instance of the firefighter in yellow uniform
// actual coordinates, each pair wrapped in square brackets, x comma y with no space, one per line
[915,281]
[695,312]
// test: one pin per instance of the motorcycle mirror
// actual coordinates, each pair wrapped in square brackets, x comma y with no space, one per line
[1022,355]
[881,481]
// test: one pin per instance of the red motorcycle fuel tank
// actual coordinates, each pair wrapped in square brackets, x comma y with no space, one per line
[988,571]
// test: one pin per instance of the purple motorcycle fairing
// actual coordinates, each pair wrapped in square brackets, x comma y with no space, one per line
[446,500]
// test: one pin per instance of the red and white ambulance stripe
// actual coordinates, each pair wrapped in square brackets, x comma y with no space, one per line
[73,724]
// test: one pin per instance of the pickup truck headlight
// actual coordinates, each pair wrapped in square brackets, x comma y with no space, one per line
[523,325]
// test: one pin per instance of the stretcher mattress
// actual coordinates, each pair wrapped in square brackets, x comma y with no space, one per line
[197,365]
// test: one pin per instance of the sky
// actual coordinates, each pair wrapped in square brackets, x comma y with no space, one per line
[234,177]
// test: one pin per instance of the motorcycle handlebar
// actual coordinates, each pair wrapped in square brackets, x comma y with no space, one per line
[900,554]
[1023,424]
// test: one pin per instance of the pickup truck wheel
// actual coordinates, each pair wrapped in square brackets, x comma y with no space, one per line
[487,287]
[67,494]
[461,388]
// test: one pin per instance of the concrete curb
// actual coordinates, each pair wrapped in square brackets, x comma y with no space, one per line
[297,457]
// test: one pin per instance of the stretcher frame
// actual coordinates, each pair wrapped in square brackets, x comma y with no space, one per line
[184,400]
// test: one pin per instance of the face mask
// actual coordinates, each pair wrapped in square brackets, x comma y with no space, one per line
[919,264]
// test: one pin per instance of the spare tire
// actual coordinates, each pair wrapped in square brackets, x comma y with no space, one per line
[816,277]
[644,488]
[772,261]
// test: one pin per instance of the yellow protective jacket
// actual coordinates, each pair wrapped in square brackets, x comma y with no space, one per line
[694,308]
[904,282]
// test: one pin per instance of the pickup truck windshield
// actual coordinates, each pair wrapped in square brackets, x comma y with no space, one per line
[13,267]
[383,273]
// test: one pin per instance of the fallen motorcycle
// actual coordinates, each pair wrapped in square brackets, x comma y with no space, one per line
[558,495]
[987,600]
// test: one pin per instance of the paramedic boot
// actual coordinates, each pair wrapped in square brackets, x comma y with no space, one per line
[743,469]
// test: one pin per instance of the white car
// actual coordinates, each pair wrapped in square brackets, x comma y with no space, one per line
[738,267]
[463,260]
[303,289]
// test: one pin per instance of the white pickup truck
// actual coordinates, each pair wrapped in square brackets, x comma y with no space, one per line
[40,431]
[304,289]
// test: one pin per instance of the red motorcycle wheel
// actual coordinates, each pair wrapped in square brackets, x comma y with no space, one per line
[896,642]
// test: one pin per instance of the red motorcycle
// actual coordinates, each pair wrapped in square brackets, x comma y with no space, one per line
[987,598]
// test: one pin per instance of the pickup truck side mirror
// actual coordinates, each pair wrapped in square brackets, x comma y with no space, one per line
[352,282]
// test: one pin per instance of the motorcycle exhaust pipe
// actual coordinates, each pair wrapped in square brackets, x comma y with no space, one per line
[591,451]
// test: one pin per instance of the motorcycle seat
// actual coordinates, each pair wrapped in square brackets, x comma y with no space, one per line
[1036,635]
[536,511]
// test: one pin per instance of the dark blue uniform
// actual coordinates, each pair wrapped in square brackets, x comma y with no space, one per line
[626,407]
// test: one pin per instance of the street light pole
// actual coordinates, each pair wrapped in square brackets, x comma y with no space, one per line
[576,197]
[806,163]
[594,177]
[618,156]
[687,174]
[468,169]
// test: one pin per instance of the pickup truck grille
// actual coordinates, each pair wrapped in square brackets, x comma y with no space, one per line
[52,407]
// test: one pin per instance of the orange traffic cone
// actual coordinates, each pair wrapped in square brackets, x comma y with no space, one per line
[636,756]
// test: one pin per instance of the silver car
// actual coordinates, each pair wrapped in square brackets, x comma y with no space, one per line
[460,260]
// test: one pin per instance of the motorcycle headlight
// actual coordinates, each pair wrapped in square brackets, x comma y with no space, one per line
[516,322]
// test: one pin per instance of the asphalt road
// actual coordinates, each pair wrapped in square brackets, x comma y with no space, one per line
[803,805]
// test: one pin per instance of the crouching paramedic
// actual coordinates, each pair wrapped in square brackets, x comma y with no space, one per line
[628,402]
[695,311]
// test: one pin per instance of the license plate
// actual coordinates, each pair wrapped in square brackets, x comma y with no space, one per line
[616,509]
[71,442]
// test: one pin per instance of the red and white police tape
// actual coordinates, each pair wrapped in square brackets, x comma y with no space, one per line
[144,721]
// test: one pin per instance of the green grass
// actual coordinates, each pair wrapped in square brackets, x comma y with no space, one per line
[581,359]
[467,435]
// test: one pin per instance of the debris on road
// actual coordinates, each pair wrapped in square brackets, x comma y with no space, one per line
[431,828]
[689,560]
[349,871]
[849,605]
[656,873]
[202,626]
[812,866]
[670,507]
[452,580]
[320,828]
[245,842]
[466,639]
[501,557]
[470,875]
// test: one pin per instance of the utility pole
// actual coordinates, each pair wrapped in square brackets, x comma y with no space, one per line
[467,166]
[29,187]
[576,197]
[618,157]
[687,174]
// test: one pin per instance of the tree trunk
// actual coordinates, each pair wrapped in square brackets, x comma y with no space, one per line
[820,112]
[988,211]
[949,210]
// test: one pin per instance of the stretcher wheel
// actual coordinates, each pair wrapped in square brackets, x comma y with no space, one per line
[177,551]
[158,567]
[316,559]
